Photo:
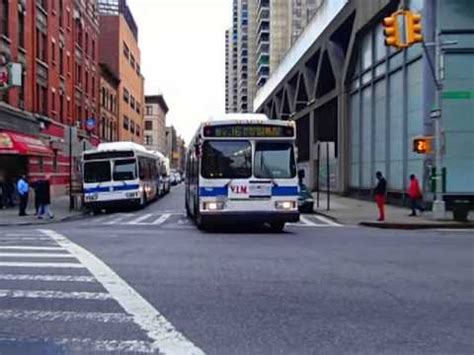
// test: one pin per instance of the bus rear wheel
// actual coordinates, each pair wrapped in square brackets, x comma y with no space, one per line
[277,227]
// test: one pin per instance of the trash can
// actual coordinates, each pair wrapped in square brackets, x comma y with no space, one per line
[460,210]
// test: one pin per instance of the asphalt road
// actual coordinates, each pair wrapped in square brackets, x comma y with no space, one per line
[149,281]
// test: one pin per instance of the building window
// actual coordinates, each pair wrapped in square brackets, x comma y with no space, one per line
[41,164]
[137,107]
[61,60]
[53,52]
[78,74]
[102,97]
[53,102]
[148,125]
[125,122]
[93,49]
[126,95]
[132,61]
[138,130]
[61,108]
[86,44]
[41,45]
[69,64]
[41,99]
[5,19]
[61,14]
[148,140]
[138,69]
[149,110]
[126,51]
[132,102]
[132,126]
[55,162]
[21,94]
[93,86]
[21,29]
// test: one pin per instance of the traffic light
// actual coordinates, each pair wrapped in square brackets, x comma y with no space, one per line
[391,31]
[413,27]
[423,145]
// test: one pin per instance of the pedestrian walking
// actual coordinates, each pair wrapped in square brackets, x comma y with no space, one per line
[23,190]
[2,191]
[44,192]
[415,195]
[9,188]
[35,186]
[380,191]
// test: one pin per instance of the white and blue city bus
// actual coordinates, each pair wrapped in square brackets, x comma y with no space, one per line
[242,168]
[120,174]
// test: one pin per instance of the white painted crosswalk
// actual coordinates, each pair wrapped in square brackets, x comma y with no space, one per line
[178,220]
[50,269]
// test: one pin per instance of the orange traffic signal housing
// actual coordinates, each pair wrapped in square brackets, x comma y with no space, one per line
[413,27]
[423,145]
[391,31]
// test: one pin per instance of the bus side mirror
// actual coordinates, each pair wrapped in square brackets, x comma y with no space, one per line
[197,149]
[301,174]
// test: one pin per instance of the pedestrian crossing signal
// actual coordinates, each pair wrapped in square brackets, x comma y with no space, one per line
[422,145]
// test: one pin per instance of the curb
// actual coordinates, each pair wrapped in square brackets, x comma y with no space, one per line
[408,226]
[39,223]
[332,218]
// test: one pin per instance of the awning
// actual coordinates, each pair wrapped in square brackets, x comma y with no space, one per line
[16,143]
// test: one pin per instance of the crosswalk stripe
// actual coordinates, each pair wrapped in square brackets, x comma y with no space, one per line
[139,219]
[162,219]
[328,221]
[35,255]
[119,219]
[100,296]
[23,247]
[307,222]
[65,316]
[52,278]
[41,265]
[87,345]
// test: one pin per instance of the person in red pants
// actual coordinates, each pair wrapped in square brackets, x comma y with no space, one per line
[380,191]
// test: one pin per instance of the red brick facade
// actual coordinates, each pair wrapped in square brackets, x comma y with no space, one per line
[57,42]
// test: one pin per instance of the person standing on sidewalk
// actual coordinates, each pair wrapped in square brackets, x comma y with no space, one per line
[380,191]
[44,192]
[415,195]
[23,190]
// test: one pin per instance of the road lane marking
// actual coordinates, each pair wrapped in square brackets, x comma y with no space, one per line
[36,255]
[119,219]
[328,221]
[3,239]
[87,345]
[162,219]
[165,337]
[99,296]
[23,247]
[65,316]
[139,219]
[39,265]
[52,278]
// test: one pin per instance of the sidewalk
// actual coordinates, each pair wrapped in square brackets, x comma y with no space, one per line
[59,207]
[351,211]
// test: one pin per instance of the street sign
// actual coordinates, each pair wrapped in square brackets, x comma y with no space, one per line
[435,114]
[90,124]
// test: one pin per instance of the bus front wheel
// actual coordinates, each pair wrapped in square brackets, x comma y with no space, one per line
[277,227]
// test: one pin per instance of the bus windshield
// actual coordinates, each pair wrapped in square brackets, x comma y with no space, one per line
[227,160]
[97,171]
[274,160]
[125,169]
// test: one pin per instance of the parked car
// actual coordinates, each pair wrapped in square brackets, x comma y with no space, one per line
[305,200]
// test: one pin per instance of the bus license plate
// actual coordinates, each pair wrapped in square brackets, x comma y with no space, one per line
[260,190]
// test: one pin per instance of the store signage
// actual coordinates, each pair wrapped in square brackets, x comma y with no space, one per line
[5,141]
[90,123]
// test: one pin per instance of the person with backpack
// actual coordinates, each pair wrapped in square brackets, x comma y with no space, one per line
[415,195]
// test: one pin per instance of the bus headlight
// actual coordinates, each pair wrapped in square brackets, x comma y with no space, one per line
[285,205]
[214,205]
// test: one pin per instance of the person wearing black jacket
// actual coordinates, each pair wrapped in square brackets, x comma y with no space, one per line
[380,191]
[44,197]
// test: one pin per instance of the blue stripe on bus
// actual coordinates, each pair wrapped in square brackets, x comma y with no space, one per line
[114,188]
[285,191]
[213,191]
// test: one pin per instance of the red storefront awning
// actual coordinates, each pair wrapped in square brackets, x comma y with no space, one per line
[16,143]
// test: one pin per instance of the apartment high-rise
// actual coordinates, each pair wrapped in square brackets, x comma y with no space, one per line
[120,51]
[301,14]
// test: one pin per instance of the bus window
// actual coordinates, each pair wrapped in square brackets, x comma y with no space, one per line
[98,171]
[227,160]
[125,170]
[274,160]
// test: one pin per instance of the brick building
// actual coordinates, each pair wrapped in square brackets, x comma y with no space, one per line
[155,122]
[57,43]
[119,50]
[108,104]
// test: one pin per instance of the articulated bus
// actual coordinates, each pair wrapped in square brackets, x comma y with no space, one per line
[118,175]
[241,168]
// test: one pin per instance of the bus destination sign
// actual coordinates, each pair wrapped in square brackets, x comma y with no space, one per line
[248,131]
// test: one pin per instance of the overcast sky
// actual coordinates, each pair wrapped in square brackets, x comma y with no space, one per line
[182,45]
